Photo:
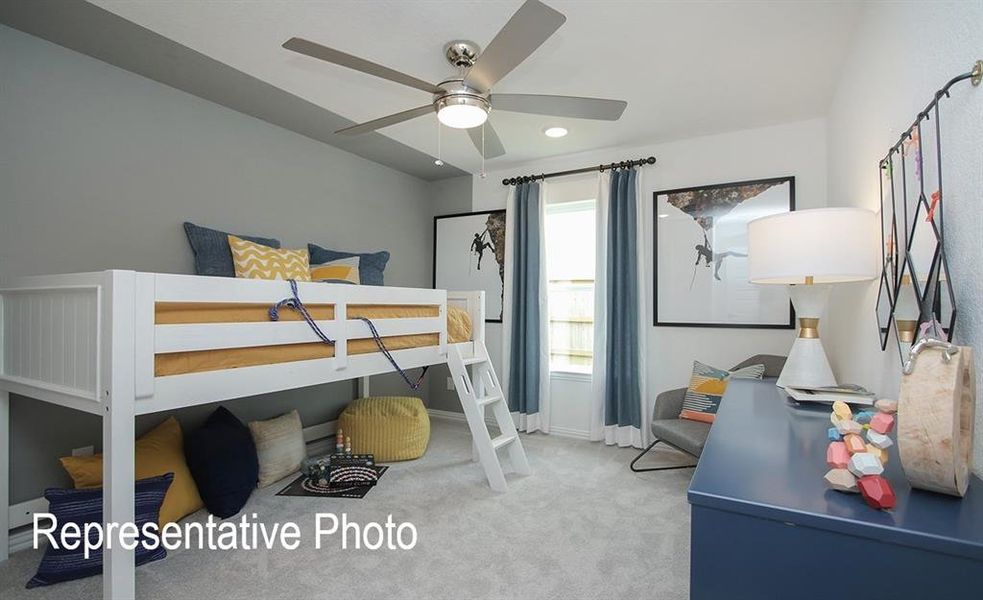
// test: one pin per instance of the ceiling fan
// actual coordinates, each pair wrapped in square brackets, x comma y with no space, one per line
[464,101]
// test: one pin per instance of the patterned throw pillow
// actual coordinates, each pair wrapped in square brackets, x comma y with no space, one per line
[211,249]
[344,270]
[279,446]
[256,261]
[707,387]
[85,506]
[371,265]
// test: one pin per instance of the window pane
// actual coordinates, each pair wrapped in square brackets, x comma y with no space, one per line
[570,253]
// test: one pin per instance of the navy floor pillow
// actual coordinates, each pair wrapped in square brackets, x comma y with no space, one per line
[222,458]
[371,265]
[85,506]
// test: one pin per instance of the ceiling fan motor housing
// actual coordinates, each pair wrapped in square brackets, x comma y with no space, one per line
[456,93]
[455,90]
[461,53]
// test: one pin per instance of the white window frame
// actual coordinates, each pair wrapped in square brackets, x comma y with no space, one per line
[579,190]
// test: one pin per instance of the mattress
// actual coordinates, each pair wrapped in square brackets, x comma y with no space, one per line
[459,329]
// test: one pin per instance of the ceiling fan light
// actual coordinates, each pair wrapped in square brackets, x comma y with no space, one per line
[462,112]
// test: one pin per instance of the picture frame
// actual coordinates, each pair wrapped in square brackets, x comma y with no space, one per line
[469,254]
[714,291]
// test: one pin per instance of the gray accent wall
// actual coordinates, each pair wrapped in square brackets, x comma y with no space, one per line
[96,32]
[99,168]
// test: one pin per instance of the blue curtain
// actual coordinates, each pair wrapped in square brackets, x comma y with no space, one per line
[622,393]
[524,359]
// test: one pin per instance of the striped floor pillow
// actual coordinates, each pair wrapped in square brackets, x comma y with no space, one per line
[83,506]
[707,387]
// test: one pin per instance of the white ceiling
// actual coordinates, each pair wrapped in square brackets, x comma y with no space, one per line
[685,68]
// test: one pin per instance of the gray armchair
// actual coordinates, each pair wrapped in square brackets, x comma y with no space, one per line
[683,434]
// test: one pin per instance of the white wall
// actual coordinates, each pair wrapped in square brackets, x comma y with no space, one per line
[902,53]
[797,149]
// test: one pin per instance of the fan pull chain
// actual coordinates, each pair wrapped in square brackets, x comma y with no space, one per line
[483,174]
[439,162]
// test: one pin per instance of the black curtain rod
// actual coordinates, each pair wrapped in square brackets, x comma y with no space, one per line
[625,164]
[976,75]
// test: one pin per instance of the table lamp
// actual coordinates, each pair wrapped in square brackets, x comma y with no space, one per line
[808,250]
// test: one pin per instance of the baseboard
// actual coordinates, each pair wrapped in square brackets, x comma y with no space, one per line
[23,539]
[320,438]
[22,513]
[318,432]
[566,432]
[449,415]
[569,433]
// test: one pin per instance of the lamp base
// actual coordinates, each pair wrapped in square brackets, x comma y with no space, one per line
[807,365]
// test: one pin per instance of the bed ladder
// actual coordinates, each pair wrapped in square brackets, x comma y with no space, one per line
[477,390]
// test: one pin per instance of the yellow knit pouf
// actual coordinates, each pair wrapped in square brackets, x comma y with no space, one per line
[389,427]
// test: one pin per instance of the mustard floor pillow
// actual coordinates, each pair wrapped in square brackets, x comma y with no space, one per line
[390,427]
[159,451]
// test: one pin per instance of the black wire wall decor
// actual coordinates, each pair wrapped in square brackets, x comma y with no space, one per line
[915,298]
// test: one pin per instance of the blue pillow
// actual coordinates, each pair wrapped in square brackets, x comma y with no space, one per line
[222,458]
[370,264]
[211,249]
[85,506]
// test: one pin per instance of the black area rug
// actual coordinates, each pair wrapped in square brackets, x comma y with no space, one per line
[304,487]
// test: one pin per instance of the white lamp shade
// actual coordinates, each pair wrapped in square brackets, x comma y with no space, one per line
[831,245]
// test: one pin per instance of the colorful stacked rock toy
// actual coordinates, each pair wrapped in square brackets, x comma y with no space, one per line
[857,465]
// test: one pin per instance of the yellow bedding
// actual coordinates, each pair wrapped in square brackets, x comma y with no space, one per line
[459,329]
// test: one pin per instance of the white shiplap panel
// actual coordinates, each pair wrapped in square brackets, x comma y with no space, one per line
[48,337]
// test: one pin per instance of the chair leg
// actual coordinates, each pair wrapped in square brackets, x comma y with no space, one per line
[665,468]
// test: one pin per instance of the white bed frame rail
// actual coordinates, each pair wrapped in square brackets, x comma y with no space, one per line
[87,342]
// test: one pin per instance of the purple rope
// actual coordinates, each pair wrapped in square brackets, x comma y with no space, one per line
[294,303]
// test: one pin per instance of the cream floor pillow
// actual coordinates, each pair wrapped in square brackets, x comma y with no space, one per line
[279,447]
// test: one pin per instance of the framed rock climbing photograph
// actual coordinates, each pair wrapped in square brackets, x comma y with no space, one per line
[700,263]
[469,254]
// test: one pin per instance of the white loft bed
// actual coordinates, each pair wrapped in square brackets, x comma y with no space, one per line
[89,341]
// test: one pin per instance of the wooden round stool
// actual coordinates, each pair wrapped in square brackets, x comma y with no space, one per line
[936,411]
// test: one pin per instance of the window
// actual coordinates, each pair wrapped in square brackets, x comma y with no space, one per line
[570,251]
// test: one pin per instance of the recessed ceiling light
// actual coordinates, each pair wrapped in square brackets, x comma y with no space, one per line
[663,216]
[555,132]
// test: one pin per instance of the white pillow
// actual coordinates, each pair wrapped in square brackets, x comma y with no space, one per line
[279,447]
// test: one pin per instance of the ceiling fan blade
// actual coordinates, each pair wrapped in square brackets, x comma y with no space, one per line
[381,122]
[528,28]
[338,57]
[493,145]
[561,106]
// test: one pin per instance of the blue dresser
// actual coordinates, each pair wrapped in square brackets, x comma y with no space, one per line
[765,526]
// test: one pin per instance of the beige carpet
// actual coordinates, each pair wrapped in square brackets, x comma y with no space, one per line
[582,526]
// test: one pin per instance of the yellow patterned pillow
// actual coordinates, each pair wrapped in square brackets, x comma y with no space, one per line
[256,261]
[336,271]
